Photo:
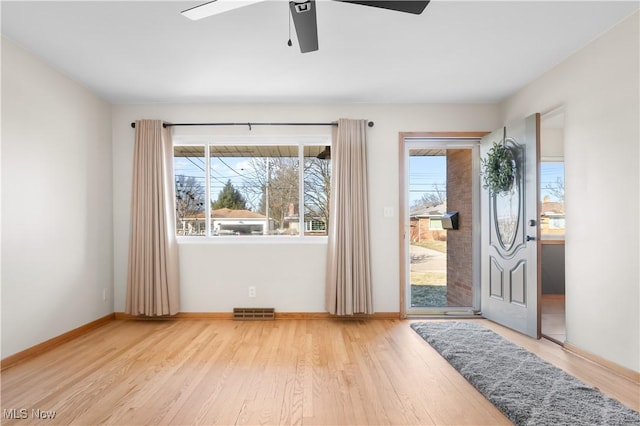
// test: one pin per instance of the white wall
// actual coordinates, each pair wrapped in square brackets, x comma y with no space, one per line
[58,256]
[56,203]
[552,136]
[599,90]
[289,277]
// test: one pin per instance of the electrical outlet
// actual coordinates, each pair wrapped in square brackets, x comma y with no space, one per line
[252,291]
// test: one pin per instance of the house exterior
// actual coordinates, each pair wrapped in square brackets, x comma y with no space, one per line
[239,222]
[552,221]
[426,223]
[312,225]
[225,222]
[245,222]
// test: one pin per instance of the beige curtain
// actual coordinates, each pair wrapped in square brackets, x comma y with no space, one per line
[348,286]
[152,280]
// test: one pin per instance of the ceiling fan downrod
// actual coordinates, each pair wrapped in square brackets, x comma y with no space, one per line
[289,20]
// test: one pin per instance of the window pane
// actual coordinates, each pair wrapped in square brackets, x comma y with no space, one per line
[189,173]
[254,190]
[435,224]
[317,181]
[552,193]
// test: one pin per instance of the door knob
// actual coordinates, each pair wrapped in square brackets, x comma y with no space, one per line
[530,238]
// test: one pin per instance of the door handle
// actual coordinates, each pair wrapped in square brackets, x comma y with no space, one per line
[530,238]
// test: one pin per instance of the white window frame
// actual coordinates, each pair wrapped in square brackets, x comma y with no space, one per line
[207,141]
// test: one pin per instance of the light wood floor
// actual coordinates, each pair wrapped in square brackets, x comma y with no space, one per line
[553,317]
[316,372]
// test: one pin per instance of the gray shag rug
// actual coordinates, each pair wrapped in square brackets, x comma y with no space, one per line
[528,390]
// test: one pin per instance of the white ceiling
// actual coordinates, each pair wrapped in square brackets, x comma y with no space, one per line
[456,51]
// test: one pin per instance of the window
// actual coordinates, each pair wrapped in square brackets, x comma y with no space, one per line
[435,224]
[315,225]
[556,223]
[552,203]
[252,189]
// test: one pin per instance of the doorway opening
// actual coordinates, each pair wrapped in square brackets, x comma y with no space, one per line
[428,237]
[552,226]
[440,221]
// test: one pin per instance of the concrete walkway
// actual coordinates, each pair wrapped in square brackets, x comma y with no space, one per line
[427,260]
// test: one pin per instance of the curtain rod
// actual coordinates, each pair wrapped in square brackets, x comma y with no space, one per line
[333,123]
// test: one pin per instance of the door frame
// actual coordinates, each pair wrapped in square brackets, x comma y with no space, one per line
[403,226]
[557,117]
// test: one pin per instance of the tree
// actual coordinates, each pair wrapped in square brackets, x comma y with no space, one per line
[274,182]
[229,198]
[556,189]
[317,189]
[189,197]
[434,197]
[189,205]
[281,189]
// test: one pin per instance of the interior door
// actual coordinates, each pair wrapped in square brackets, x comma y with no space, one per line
[510,233]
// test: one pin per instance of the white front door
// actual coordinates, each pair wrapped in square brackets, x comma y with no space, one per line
[510,233]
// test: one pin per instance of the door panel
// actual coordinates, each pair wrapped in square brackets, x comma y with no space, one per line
[510,234]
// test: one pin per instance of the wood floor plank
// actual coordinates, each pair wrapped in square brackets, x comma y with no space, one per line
[294,372]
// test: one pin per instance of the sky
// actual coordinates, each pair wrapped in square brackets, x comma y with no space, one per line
[424,173]
[222,170]
[549,173]
[427,171]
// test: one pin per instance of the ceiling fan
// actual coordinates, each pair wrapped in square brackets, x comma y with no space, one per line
[303,13]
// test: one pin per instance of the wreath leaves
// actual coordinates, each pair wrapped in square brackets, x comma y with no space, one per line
[498,169]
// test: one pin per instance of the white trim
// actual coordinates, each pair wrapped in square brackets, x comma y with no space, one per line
[251,240]
[314,140]
[472,143]
[301,202]
[256,140]
[552,159]
[207,190]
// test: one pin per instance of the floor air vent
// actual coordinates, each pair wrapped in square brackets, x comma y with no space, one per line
[253,314]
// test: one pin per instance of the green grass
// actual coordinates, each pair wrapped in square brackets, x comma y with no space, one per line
[440,246]
[428,296]
[428,278]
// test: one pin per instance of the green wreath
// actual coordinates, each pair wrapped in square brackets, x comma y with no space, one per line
[498,169]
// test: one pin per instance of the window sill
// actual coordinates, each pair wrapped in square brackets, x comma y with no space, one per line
[248,240]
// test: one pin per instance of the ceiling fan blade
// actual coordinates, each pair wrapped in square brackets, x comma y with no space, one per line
[216,7]
[304,19]
[411,6]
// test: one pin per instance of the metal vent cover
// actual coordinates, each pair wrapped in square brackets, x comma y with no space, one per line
[254,314]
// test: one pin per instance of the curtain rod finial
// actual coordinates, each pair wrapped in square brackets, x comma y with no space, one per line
[370,123]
